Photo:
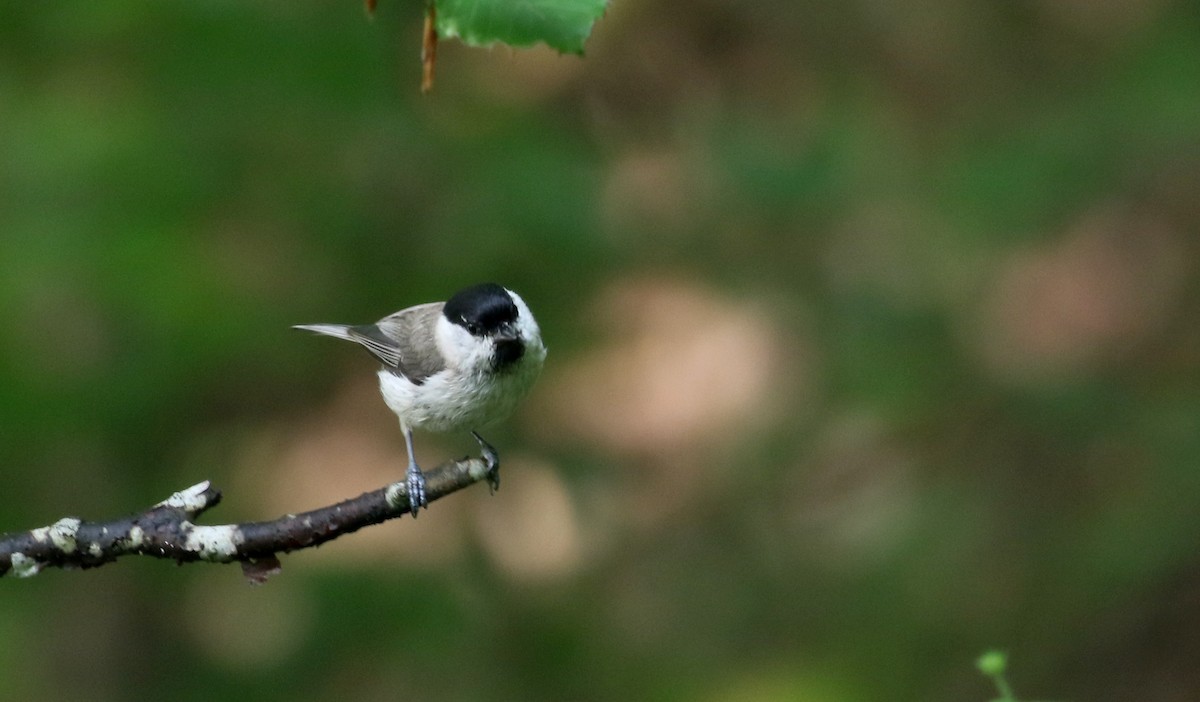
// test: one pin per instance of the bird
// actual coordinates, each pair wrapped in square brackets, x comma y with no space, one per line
[460,364]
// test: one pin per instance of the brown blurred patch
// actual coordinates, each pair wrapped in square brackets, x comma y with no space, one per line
[683,371]
[647,189]
[682,377]
[532,532]
[1066,307]
[524,77]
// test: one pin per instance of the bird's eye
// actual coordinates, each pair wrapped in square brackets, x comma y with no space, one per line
[471,327]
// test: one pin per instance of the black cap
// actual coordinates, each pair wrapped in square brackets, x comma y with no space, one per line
[481,309]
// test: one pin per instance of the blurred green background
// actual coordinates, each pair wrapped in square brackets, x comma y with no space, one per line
[873,328]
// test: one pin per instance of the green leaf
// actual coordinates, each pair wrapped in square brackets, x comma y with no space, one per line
[560,24]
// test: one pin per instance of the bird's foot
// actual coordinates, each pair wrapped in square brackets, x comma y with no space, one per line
[414,483]
[492,459]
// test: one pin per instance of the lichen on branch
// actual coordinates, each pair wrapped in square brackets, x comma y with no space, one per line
[168,529]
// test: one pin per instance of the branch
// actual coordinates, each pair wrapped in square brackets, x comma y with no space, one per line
[166,529]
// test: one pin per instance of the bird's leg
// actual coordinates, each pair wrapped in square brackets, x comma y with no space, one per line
[414,480]
[493,462]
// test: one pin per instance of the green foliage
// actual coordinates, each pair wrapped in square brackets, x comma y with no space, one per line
[560,24]
[993,664]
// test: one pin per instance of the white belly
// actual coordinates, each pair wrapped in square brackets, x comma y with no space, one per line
[449,401]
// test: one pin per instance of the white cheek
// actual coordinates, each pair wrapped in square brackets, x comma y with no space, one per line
[459,348]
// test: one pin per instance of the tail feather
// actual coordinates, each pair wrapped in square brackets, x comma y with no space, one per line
[338,331]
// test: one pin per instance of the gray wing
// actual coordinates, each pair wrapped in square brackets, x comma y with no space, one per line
[403,341]
[408,337]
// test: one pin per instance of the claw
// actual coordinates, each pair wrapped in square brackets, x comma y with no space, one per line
[414,483]
[492,459]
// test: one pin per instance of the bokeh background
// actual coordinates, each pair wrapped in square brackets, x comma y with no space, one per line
[874,331]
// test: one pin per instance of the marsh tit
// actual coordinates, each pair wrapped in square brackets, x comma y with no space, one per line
[459,364]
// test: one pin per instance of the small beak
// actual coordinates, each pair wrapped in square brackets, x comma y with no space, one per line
[506,334]
[509,347]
